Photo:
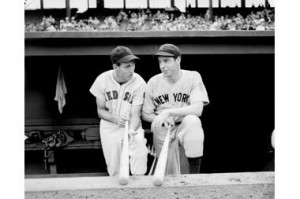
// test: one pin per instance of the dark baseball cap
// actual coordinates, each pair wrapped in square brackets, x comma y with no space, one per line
[122,54]
[168,50]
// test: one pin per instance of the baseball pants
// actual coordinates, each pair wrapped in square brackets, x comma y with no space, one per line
[189,134]
[111,140]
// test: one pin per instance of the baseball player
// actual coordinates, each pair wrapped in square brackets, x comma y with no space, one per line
[176,97]
[119,96]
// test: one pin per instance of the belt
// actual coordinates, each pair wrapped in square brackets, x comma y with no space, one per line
[176,123]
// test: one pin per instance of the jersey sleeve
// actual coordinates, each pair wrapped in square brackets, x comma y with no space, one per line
[97,89]
[149,106]
[138,96]
[198,91]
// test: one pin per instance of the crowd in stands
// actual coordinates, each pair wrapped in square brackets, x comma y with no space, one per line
[144,20]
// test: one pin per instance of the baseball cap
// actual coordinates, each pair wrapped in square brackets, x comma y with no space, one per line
[122,54]
[168,50]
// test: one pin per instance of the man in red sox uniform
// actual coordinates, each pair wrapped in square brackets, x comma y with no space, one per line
[119,96]
[176,97]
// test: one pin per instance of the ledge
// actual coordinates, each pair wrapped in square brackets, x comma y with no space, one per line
[147,43]
[148,34]
[225,185]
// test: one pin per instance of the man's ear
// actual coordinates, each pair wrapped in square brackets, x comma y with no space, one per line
[178,60]
[115,66]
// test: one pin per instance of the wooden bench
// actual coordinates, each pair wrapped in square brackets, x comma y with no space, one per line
[76,127]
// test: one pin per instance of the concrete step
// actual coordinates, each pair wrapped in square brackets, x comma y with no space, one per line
[211,186]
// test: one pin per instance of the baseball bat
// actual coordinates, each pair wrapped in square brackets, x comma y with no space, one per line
[124,160]
[159,173]
[153,163]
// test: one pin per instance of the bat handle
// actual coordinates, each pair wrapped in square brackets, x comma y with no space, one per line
[126,126]
[153,163]
[124,162]
[169,128]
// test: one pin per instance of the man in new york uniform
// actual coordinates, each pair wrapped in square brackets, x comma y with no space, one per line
[119,96]
[176,97]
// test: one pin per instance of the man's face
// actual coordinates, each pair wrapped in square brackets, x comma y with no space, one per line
[125,71]
[169,66]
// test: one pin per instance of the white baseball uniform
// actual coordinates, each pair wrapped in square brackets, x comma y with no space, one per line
[118,100]
[161,95]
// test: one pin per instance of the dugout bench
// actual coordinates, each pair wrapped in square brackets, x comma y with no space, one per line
[38,131]
[77,130]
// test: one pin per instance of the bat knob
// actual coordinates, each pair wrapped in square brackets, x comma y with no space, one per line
[157,182]
[123,181]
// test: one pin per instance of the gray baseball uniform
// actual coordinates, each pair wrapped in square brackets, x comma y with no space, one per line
[161,95]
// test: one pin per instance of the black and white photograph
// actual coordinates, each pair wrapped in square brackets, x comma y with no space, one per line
[150,99]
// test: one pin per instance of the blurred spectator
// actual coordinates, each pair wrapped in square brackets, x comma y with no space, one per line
[157,16]
[51,20]
[112,24]
[47,24]
[207,15]
[148,12]
[133,22]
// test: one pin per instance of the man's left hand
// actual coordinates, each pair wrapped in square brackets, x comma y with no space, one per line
[159,120]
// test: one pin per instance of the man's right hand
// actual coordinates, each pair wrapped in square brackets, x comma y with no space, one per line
[120,120]
[168,122]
